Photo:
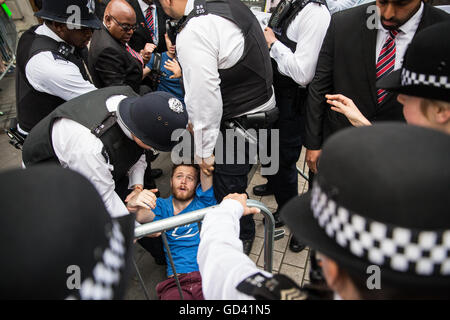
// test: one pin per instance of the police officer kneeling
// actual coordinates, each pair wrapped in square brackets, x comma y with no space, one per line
[375,240]
[103,134]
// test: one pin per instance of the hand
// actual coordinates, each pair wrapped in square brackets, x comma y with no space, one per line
[190,128]
[242,199]
[206,164]
[137,188]
[145,199]
[172,65]
[344,105]
[270,36]
[146,53]
[312,157]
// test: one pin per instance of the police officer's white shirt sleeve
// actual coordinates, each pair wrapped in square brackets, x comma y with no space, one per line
[57,77]
[78,149]
[339,5]
[308,30]
[206,44]
[137,172]
[222,263]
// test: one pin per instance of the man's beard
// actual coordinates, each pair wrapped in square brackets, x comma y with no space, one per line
[183,197]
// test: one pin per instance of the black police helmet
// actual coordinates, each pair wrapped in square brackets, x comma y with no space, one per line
[76,13]
[153,118]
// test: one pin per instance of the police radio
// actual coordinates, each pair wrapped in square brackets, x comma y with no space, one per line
[280,13]
[172,30]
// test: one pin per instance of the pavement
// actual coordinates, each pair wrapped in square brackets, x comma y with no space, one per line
[294,265]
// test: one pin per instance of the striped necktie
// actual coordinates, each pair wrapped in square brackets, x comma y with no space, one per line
[135,55]
[150,22]
[386,62]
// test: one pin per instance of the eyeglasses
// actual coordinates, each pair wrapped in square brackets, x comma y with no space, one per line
[125,27]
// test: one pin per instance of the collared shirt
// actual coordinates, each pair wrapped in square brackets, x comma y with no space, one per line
[222,273]
[308,30]
[144,8]
[403,38]
[78,149]
[208,43]
[57,77]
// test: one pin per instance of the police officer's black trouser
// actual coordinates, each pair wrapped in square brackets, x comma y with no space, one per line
[232,178]
[291,127]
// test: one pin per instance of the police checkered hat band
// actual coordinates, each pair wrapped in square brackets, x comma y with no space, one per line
[106,274]
[424,253]
[409,78]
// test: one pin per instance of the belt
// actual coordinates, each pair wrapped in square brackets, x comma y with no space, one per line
[259,120]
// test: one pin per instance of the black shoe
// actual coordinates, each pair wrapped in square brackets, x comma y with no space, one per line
[278,222]
[156,173]
[296,246]
[262,190]
[247,244]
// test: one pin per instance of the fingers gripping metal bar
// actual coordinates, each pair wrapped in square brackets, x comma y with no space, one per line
[197,216]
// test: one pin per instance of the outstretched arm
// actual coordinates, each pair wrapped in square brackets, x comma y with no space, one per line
[344,105]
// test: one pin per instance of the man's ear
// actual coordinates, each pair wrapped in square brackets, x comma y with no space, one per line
[441,114]
[331,272]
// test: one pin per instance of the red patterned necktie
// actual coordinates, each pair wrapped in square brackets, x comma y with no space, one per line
[135,54]
[150,22]
[386,62]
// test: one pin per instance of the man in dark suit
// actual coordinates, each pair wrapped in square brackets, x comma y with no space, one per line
[356,52]
[112,61]
[151,26]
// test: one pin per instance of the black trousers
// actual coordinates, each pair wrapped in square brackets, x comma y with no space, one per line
[291,129]
[232,178]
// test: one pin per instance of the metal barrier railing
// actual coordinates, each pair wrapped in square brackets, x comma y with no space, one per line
[197,216]
[8,42]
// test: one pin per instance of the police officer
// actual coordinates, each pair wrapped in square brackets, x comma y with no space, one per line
[374,240]
[294,35]
[60,241]
[51,60]
[103,134]
[226,77]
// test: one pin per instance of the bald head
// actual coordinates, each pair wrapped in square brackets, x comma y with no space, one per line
[120,19]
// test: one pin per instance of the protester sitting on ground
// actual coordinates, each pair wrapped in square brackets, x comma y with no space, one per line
[422,84]
[58,239]
[187,195]
[165,70]
[376,240]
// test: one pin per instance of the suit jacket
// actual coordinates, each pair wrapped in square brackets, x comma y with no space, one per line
[111,64]
[346,65]
[142,35]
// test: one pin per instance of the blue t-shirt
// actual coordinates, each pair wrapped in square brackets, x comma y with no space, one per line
[166,84]
[184,240]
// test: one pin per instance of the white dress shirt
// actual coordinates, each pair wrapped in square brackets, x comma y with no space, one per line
[339,5]
[144,8]
[78,149]
[208,43]
[403,38]
[222,273]
[308,30]
[57,77]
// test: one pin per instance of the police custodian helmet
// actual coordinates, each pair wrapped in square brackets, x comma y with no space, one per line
[78,13]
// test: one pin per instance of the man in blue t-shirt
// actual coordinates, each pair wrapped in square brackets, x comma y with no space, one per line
[187,195]
[169,79]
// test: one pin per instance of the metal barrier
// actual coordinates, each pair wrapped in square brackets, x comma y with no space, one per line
[197,216]
[8,42]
